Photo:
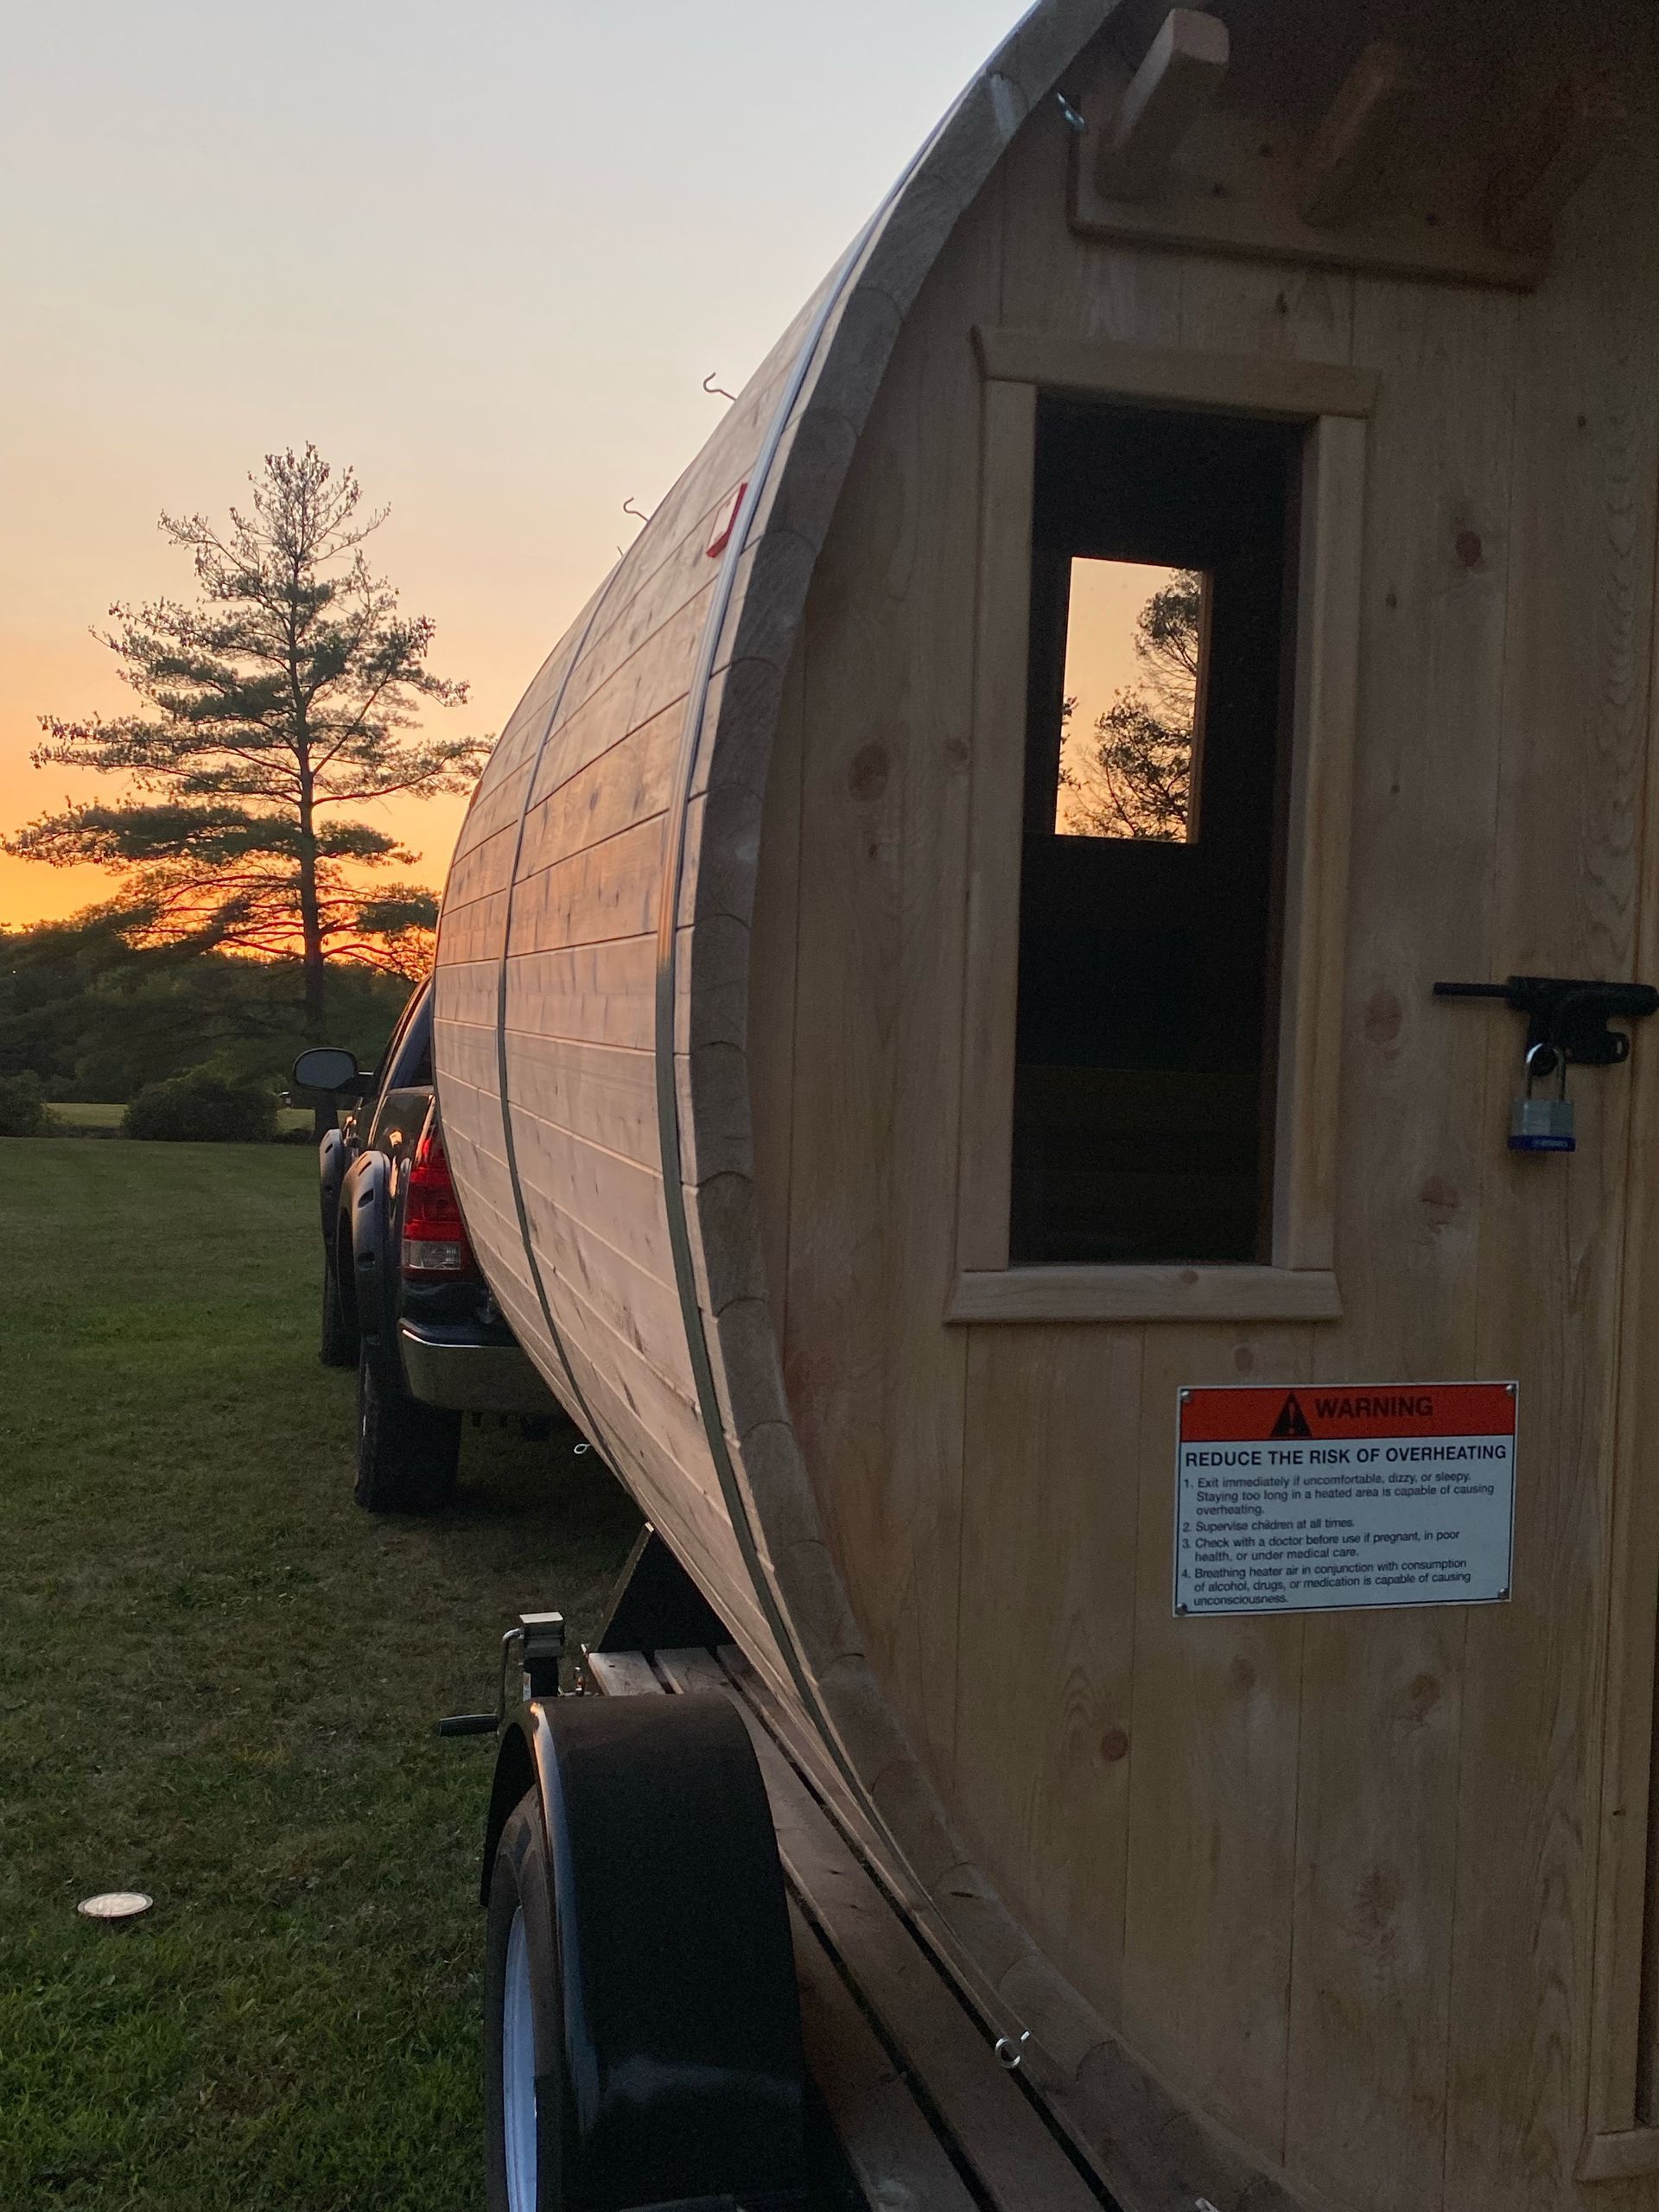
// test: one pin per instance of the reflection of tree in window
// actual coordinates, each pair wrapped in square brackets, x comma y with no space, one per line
[1143,1098]
[1131,775]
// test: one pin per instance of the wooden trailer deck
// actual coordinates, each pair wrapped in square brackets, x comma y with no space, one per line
[927,2117]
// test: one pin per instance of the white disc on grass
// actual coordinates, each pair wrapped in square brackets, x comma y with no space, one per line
[116,1904]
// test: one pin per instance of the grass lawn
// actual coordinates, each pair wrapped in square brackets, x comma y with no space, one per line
[76,1118]
[217,1683]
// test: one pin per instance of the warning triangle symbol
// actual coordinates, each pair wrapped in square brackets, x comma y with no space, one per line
[1292,1420]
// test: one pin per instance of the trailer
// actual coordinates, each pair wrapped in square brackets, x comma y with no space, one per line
[1038,1022]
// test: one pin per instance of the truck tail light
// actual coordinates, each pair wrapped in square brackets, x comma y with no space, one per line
[434,1239]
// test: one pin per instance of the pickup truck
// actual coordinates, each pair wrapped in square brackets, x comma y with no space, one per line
[402,1299]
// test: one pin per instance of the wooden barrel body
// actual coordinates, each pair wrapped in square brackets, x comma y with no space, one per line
[738,1033]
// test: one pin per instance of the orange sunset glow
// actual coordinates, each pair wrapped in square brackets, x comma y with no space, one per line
[485,256]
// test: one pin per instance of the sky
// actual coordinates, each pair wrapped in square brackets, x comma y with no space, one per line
[483,252]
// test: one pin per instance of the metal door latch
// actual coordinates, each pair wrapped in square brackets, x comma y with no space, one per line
[1566,1024]
[1568,1013]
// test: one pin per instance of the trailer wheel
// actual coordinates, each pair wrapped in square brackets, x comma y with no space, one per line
[525,2101]
[406,1453]
[338,1344]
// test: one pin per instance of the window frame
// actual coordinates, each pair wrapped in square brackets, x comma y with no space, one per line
[1333,403]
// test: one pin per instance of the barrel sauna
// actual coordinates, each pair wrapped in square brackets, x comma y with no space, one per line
[870,1157]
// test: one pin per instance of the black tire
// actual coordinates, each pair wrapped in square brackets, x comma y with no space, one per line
[406,1453]
[338,1344]
[521,1883]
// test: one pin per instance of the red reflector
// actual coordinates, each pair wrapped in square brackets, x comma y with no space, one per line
[434,1239]
[725,523]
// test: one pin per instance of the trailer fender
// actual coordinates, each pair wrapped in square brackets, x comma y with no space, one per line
[679,2015]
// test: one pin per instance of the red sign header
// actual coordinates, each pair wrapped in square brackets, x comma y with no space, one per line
[1315,1412]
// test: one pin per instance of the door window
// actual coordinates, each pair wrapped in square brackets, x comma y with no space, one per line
[1149,908]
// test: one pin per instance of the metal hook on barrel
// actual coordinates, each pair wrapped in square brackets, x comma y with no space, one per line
[639,513]
[716,391]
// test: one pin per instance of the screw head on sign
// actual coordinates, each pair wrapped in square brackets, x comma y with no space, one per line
[115,1904]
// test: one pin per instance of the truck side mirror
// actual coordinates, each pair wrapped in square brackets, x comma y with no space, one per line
[329,1068]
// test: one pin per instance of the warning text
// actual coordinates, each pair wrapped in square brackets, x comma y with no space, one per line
[1291,1514]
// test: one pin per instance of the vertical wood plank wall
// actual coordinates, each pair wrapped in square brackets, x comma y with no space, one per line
[1576,726]
[1335,1877]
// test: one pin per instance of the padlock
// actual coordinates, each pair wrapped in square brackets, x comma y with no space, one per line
[1543,1124]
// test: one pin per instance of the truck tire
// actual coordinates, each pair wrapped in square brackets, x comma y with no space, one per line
[526,2101]
[338,1344]
[406,1453]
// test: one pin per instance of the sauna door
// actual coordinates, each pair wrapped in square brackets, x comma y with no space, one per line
[1371,1879]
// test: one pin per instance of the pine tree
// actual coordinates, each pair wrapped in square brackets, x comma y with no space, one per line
[290,689]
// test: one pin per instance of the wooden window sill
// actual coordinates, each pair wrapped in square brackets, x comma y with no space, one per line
[1621,2156]
[1145,1293]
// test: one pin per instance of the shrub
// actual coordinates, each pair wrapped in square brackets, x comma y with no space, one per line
[22,1112]
[201,1107]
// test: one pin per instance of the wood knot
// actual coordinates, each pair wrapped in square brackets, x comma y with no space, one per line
[1383,1017]
[867,777]
[1423,1692]
[1377,1896]
[1241,1676]
[1115,1745]
[1244,1360]
[1439,1199]
[956,752]
[1469,549]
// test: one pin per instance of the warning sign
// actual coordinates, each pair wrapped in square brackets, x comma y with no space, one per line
[1334,1496]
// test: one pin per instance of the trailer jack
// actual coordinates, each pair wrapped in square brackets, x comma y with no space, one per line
[533,1650]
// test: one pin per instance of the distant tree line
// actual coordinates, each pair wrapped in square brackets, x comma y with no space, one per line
[93,1016]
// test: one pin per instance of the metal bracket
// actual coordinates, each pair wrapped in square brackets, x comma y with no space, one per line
[538,1643]
[1567,1015]
[543,1649]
